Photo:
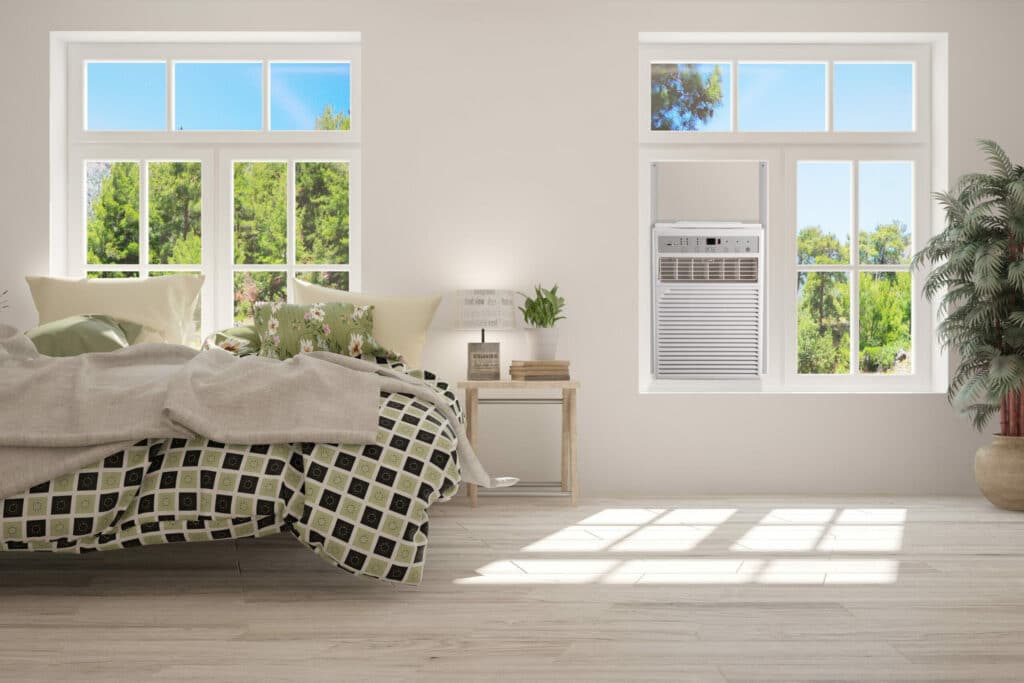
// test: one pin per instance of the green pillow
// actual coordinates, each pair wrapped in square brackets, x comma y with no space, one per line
[289,329]
[241,341]
[83,334]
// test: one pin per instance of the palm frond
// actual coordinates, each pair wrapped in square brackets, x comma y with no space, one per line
[997,157]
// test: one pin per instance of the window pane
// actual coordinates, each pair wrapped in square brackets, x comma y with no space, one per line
[334,279]
[885,323]
[781,97]
[870,97]
[823,211]
[690,97]
[253,287]
[175,212]
[126,96]
[321,212]
[309,96]
[823,323]
[261,223]
[218,96]
[885,192]
[112,211]
[107,274]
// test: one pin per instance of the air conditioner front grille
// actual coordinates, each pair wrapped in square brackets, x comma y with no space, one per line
[725,269]
[708,330]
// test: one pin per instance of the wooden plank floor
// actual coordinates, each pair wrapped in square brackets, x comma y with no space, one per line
[705,589]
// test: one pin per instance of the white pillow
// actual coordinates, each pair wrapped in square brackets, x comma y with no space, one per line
[399,323]
[162,305]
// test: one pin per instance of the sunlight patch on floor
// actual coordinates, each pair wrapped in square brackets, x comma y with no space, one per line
[622,546]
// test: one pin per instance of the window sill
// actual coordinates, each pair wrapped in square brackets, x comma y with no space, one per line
[743,386]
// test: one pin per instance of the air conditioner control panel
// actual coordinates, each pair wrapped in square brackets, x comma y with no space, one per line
[704,244]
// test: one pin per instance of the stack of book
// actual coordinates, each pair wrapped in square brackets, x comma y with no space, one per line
[539,370]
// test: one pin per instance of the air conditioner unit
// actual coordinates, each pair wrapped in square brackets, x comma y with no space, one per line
[708,300]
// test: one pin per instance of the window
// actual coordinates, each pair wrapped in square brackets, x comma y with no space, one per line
[844,126]
[237,159]
[777,96]
[854,304]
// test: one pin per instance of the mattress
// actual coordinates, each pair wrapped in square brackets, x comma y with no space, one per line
[360,507]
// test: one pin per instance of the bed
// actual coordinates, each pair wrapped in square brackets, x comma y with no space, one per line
[362,507]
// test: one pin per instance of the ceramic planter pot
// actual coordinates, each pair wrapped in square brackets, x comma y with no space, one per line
[999,471]
[544,341]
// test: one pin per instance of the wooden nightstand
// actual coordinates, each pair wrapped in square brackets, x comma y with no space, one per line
[570,480]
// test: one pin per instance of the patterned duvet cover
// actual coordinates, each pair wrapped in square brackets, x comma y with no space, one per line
[363,507]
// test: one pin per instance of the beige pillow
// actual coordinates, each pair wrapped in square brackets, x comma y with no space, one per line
[162,305]
[399,323]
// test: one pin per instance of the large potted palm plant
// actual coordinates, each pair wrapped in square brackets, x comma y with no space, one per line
[977,276]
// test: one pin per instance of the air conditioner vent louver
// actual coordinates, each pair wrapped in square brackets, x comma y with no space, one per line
[690,269]
[708,293]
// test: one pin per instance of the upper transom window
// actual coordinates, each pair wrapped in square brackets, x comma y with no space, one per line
[780,96]
[217,95]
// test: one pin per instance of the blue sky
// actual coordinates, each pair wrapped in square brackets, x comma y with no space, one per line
[126,96]
[781,97]
[791,97]
[213,95]
[218,96]
[873,96]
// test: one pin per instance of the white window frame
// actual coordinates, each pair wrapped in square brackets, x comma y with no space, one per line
[925,146]
[72,146]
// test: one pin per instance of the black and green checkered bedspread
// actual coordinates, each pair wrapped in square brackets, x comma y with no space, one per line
[363,508]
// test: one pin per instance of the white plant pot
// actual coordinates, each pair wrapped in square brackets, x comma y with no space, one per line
[544,341]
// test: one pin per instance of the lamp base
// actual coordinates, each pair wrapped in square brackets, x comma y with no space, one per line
[483,361]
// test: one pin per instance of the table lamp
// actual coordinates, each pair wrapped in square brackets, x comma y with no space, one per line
[485,309]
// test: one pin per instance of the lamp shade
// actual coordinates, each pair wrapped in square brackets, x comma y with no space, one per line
[486,309]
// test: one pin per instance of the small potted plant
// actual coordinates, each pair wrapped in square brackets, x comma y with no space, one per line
[541,313]
[978,278]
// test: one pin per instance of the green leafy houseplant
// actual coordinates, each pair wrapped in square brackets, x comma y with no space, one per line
[544,309]
[978,278]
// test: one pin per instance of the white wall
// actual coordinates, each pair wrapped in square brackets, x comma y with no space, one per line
[500,149]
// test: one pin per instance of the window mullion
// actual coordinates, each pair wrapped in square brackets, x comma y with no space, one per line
[225,254]
[169,65]
[734,98]
[290,199]
[143,218]
[829,98]
[207,231]
[855,271]
[266,95]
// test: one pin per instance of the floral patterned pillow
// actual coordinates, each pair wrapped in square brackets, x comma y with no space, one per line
[240,341]
[287,330]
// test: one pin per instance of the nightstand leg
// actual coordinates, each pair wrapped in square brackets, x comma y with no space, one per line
[566,474]
[472,409]
[570,461]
